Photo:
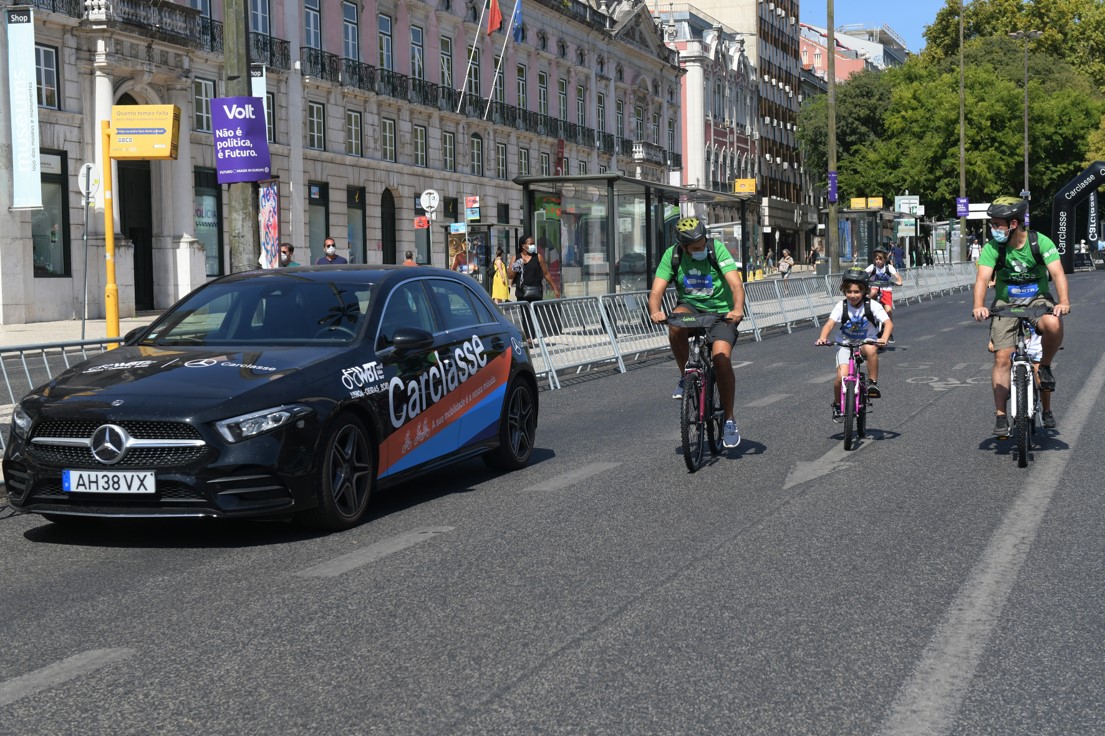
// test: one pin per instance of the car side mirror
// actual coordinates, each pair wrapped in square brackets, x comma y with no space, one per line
[408,339]
[132,337]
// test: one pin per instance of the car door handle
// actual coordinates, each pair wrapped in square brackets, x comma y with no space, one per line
[497,343]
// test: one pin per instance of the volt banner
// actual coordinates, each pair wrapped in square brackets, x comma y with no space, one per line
[241,140]
[23,109]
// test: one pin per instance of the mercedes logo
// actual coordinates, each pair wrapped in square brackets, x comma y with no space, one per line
[202,363]
[109,443]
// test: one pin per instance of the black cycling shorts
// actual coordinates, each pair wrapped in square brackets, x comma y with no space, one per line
[720,331]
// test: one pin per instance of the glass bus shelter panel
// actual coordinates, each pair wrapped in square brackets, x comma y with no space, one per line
[472,252]
[570,231]
[859,234]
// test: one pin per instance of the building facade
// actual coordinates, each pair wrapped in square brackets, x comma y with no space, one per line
[368,104]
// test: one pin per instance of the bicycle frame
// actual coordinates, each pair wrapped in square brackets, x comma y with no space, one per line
[854,376]
[1024,393]
[1020,358]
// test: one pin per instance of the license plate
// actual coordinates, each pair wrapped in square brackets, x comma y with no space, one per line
[108,481]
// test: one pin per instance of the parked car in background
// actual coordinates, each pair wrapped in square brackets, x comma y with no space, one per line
[270,393]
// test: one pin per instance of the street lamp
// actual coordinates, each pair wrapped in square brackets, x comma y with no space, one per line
[1026,35]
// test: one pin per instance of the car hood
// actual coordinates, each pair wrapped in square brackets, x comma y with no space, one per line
[184,373]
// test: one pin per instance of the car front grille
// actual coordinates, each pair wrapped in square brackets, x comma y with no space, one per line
[167,491]
[137,457]
[83,429]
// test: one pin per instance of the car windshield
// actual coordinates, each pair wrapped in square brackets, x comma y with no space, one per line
[266,311]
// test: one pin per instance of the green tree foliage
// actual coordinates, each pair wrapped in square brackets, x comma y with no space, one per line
[898,130]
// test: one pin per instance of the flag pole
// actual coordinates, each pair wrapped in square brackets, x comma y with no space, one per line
[475,45]
[502,55]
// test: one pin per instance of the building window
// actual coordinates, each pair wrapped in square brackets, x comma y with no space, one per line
[602,168]
[207,219]
[448,151]
[270,116]
[500,160]
[384,22]
[523,162]
[259,17]
[353,133]
[544,164]
[418,54]
[50,225]
[204,6]
[447,61]
[419,140]
[387,136]
[562,98]
[203,91]
[638,123]
[316,126]
[542,41]
[312,24]
[656,128]
[619,125]
[671,134]
[523,96]
[500,94]
[719,101]
[581,104]
[543,93]
[601,100]
[475,145]
[583,167]
[351,31]
[474,72]
[46,69]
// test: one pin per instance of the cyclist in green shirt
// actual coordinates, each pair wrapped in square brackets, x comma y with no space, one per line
[1019,262]
[707,281]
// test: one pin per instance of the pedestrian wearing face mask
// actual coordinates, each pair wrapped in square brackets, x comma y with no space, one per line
[331,258]
[529,271]
[287,252]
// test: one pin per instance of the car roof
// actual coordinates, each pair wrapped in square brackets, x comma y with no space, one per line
[360,273]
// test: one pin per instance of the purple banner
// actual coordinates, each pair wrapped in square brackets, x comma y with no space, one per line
[832,187]
[962,207]
[241,141]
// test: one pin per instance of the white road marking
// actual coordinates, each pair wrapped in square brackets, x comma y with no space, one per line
[564,480]
[929,701]
[371,553]
[769,399]
[822,379]
[925,337]
[35,682]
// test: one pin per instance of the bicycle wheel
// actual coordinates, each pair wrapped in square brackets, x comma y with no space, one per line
[691,425]
[715,415]
[849,413]
[1021,427]
[861,413]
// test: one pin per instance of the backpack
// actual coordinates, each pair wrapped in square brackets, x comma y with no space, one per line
[867,313]
[1033,244]
[711,256]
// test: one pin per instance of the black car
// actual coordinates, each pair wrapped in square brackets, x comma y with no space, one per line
[276,392]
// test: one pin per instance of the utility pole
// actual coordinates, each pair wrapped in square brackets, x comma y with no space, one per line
[962,143]
[242,203]
[832,246]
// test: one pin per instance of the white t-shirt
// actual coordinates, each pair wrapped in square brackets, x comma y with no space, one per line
[882,277]
[854,324]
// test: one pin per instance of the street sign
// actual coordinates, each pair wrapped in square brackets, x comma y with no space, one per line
[916,209]
[429,200]
[88,179]
[421,222]
[902,203]
[962,206]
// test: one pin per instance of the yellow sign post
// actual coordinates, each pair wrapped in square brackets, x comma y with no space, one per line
[135,132]
[744,186]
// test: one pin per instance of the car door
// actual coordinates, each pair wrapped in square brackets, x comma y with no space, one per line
[417,384]
[476,350]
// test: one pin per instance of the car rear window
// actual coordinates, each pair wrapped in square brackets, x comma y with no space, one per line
[266,312]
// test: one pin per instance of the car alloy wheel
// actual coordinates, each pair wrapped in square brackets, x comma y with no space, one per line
[348,472]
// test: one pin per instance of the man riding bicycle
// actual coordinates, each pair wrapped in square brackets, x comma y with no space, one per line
[1019,262]
[707,281]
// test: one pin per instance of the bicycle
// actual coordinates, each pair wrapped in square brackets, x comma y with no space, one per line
[701,416]
[854,400]
[1024,389]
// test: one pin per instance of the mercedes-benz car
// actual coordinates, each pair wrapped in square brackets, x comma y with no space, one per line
[269,393]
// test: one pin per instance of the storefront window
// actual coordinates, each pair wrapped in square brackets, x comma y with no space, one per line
[50,225]
[208,205]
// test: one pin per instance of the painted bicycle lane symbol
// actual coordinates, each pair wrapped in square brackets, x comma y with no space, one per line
[946,384]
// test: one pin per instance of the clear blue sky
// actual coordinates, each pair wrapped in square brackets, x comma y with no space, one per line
[907,18]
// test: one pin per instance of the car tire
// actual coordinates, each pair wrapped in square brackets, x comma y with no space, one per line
[517,428]
[347,475]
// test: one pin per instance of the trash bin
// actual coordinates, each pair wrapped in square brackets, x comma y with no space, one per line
[822,266]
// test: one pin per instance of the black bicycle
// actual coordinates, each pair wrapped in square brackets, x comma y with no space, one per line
[701,416]
[1024,388]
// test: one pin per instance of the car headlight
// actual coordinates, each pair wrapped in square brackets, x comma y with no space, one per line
[250,425]
[21,421]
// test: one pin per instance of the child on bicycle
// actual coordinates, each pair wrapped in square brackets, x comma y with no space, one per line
[883,277]
[859,318]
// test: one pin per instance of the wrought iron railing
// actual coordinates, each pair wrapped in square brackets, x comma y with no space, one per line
[269,50]
[358,75]
[320,64]
[211,35]
[72,8]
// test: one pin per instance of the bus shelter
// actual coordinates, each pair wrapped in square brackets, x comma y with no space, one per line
[604,233]
[470,247]
[860,231]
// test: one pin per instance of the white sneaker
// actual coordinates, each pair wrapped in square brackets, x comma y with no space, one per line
[732,435]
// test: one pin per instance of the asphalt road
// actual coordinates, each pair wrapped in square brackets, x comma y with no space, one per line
[919,584]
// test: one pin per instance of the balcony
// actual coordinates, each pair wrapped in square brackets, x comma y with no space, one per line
[646,152]
[358,75]
[423,92]
[392,84]
[319,64]
[211,36]
[72,8]
[269,50]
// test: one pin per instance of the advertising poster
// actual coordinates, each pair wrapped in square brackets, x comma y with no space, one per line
[241,140]
[23,110]
[268,218]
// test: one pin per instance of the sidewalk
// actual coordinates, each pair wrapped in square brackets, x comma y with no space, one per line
[37,333]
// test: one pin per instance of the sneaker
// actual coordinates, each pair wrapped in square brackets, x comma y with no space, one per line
[1049,420]
[732,435]
[873,390]
[837,414]
[678,392]
[1047,381]
[1001,427]
[890,340]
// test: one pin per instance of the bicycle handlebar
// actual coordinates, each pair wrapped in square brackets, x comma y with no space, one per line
[852,344]
[1019,311]
[690,321]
